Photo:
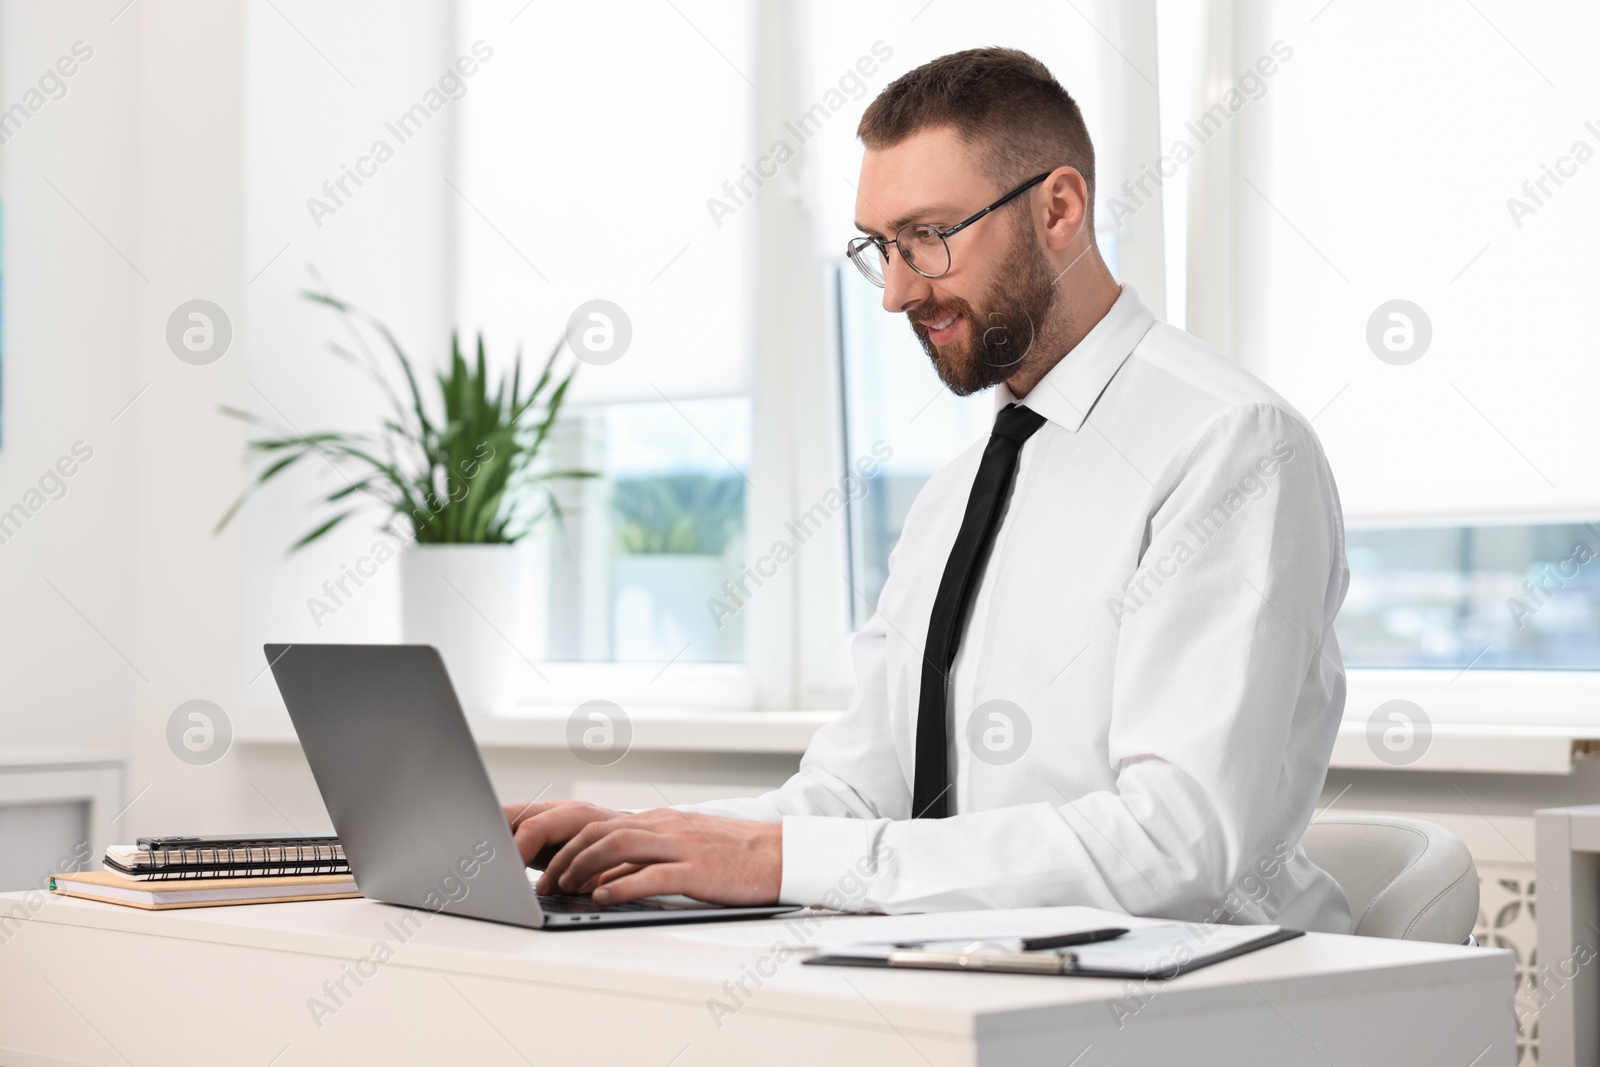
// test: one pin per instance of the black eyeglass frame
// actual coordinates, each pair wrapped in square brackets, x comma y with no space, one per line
[859,244]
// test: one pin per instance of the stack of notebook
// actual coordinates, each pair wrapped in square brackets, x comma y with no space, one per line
[189,872]
[160,858]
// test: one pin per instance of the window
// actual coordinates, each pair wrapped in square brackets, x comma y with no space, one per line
[558,206]
[1427,324]
[646,546]
[1421,305]
[1508,596]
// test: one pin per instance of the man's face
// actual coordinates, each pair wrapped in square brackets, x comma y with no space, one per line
[976,322]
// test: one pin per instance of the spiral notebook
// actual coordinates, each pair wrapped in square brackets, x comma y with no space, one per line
[160,859]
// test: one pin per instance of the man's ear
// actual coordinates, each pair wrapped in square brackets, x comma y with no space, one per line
[1066,207]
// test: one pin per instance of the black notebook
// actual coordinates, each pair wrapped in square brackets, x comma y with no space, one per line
[157,859]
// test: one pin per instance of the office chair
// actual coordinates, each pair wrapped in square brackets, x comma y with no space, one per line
[1404,878]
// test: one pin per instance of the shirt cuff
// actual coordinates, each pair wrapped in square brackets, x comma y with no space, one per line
[826,860]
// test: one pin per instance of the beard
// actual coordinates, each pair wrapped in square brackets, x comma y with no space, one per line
[1001,330]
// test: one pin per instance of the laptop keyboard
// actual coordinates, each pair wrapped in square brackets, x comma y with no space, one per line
[571,903]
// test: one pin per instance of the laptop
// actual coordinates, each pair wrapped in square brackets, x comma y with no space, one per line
[406,787]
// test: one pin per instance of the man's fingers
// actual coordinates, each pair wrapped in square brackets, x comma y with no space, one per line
[617,872]
[540,835]
[655,879]
[627,856]
[610,876]
[516,813]
[602,847]
[561,848]
[530,840]
[557,865]
[642,845]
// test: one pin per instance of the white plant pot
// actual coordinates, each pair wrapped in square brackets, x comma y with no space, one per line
[463,600]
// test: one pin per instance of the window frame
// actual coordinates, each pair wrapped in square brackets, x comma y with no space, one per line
[1215,243]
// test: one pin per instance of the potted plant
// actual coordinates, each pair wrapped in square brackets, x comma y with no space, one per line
[454,476]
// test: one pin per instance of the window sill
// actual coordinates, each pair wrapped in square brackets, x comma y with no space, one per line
[1474,749]
[1473,723]
[654,729]
[1483,721]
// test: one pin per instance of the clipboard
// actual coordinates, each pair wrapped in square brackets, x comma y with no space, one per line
[1160,951]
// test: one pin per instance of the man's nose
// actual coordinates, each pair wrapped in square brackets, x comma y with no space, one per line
[903,288]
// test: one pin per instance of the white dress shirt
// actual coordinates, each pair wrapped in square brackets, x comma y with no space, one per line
[1149,658]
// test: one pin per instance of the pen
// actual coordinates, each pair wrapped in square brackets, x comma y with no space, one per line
[1026,944]
[1083,937]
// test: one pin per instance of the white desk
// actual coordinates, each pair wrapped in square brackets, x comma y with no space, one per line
[84,983]
[1568,988]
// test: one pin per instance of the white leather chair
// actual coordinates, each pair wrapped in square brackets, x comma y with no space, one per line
[1404,878]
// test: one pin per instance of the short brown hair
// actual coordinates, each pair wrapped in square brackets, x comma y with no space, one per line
[1001,99]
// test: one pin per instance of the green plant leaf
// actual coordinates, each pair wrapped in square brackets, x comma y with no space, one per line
[461,476]
[320,530]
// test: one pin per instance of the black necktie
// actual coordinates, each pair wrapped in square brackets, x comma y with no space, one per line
[930,793]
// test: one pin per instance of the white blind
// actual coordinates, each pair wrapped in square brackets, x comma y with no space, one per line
[1388,161]
[590,145]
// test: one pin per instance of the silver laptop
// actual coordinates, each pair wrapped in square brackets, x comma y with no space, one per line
[410,799]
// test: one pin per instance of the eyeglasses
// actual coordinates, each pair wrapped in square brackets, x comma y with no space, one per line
[922,246]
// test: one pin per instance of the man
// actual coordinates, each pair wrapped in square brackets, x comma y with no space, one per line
[1103,669]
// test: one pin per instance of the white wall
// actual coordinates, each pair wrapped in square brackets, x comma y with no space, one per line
[70,363]
[174,195]
[122,202]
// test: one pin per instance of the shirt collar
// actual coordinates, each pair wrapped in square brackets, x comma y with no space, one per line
[1067,393]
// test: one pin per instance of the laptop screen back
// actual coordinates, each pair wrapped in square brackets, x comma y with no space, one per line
[402,779]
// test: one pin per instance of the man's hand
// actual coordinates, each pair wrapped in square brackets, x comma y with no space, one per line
[541,828]
[618,856]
